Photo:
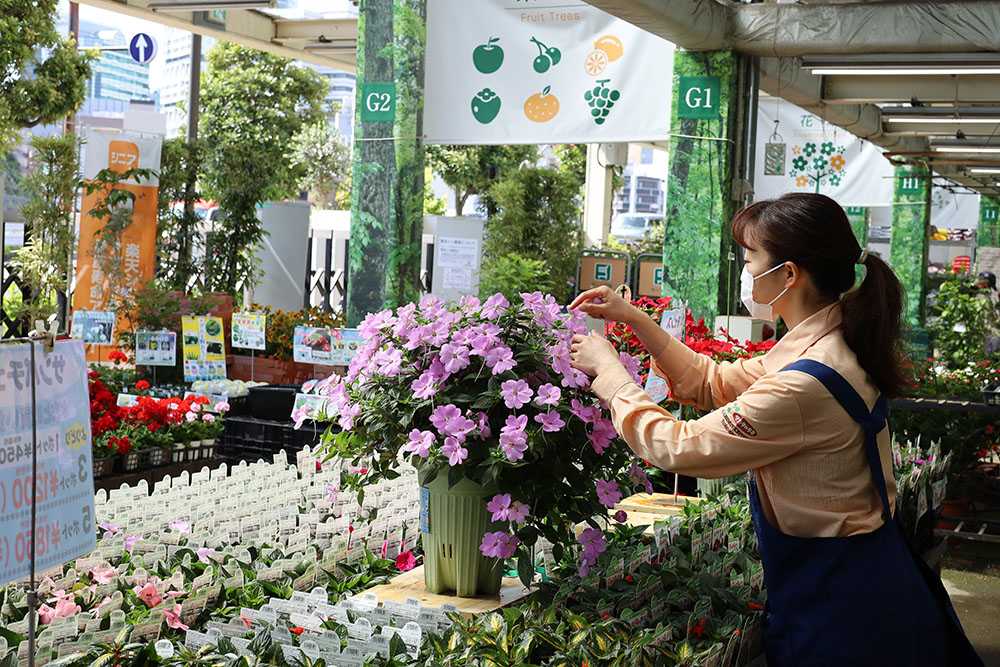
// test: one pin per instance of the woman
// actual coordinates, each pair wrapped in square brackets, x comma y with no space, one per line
[809,420]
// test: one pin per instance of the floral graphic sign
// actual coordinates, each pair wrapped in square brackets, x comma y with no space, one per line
[818,164]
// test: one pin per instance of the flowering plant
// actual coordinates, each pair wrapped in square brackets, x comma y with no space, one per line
[485,391]
[624,338]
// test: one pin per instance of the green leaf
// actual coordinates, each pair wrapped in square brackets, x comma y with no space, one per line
[396,646]
[455,475]
[525,568]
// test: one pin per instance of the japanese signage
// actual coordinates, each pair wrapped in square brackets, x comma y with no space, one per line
[155,348]
[330,347]
[118,152]
[64,524]
[673,322]
[537,72]
[204,347]
[248,330]
[93,326]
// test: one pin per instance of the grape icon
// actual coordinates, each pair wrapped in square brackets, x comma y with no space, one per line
[601,99]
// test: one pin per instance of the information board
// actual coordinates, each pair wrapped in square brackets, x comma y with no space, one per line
[672,322]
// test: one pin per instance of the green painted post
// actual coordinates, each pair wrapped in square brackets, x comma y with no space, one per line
[698,256]
[858,216]
[388,162]
[910,241]
[988,234]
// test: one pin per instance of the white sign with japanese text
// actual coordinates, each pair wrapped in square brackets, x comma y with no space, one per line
[64,483]
[673,322]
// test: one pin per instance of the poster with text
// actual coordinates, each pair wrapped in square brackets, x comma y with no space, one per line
[330,347]
[248,331]
[155,348]
[530,72]
[204,348]
[94,327]
[64,521]
[673,322]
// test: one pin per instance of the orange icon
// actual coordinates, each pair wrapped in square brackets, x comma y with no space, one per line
[611,46]
[541,107]
[596,61]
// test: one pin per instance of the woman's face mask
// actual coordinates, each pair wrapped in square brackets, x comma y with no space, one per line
[760,311]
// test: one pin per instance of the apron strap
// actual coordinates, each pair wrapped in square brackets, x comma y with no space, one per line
[871,422]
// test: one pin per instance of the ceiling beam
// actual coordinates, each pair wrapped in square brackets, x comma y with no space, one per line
[245,27]
[315,30]
[978,89]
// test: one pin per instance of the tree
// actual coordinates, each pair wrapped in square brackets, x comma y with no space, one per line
[35,90]
[538,218]
[472,170]
[177,224]
[325,159]
[254,104]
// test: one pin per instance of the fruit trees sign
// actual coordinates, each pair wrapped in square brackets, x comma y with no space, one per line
[527,72]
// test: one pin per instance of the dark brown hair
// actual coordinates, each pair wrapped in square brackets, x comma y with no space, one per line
[812,231]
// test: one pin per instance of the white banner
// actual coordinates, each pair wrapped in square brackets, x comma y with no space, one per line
[955,208]
[121,151]
[804,154]
[530,72]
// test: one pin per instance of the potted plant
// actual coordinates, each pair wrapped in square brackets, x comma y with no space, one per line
[509,445]
[212,426]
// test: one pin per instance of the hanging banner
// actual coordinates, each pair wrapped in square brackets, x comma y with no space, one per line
[534,72]
[954,208]
[804,154]
[119,152]
[204,347]
[64,521]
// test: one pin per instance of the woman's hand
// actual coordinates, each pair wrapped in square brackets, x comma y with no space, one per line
[593,354]
[603,303]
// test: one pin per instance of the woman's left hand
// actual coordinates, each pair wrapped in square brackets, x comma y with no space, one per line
[593,354]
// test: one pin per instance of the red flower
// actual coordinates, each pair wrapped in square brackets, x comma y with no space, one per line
[117,356]
[122,445]
[142,385]
[698,629]
[296,630]
[989,429]
[406,561]
[754,606]
[629,579]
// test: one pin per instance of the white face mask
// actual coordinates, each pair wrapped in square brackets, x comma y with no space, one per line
[760,311]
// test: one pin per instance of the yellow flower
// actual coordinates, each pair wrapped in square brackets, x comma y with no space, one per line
[837,162]
[802,181]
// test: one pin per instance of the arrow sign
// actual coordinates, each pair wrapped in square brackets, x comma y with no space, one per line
[142,48]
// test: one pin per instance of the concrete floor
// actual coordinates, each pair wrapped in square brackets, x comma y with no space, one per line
[976,596]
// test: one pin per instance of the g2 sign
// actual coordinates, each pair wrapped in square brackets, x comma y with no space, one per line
[698,97]
[378,103]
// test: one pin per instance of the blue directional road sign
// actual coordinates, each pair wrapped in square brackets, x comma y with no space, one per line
[142,48]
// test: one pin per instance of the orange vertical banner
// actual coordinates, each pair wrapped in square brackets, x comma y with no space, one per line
[119,152]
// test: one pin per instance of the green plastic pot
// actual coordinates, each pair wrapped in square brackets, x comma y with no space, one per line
[452,524]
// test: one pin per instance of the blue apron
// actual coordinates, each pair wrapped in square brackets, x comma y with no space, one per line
[857,601]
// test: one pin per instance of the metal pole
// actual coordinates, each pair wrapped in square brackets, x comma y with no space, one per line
[194,92]
[74,31]
[32,591]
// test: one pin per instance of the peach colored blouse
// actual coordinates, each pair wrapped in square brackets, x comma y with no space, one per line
[807,454]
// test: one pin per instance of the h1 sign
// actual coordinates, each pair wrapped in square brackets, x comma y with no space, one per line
[698,97]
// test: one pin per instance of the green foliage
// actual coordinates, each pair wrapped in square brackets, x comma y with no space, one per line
[472,170]
[253,105]
[962,317]
[56,84]
[538,218]
[513,274]
[50,189]
[910,241]
[650,244]
[325,159]
[177,223]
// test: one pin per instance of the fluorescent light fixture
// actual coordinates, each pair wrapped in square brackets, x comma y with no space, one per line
[966,149]
[949,115]
[208,5]
[904,64]
[983,170]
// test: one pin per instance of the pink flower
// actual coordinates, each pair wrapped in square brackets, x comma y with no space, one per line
[518,512]
[500,359]
[182,527]
[515,393]
[585,413]
[483,424]
[454,357]
[494,307]
[222,407]
[498,545]
[608,493]
[443,413]
[406,561]
[424,386]
[594,545]
[499,505]
[454,450]
[551,421]
[190,416]
[130,541]
[513,440]
[103,574]
[308,386]
[548,395]
[195,407]
[109,528]
[602,435]
[331,493]
[347,415]
[205,554]
[420,443]
[173,618]
[631,365]
[209,417]
[639,477]
[149,595]
[46,614]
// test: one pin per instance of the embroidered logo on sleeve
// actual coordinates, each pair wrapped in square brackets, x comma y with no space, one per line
[736,424]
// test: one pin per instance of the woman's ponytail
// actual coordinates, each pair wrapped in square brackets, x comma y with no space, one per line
[872,326]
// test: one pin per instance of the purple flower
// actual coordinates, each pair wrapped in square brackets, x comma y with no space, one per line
[483,424]
[518,512]
[551,421]
[631,365]
[454,450]
[548,395]
[513,440]
[109,528]
[308,386]
[608,493]
[602,435]
[594,545]
[586,413]
[424,386]
[620,516]
[420,443]
[389,361]
[500,359]
[130,541]
[347,415]
[532,300]
[441,415]
[639,477]
[463,336]
[331,493]
[498,506]
[469,303]
[182,527]
[454,357]
[515,393]
[482,343]
[373,322]
[494,307]
[417,336]
[499,545]
[205,554]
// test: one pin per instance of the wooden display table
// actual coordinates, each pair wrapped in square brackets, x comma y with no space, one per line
[662,504]
[411,585]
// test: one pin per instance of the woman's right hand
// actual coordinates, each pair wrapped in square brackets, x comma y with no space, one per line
[603,303]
